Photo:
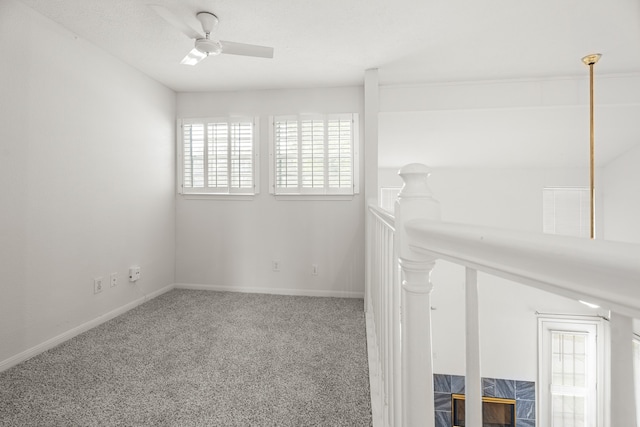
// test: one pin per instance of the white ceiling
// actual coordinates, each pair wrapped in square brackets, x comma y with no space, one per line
[331,42]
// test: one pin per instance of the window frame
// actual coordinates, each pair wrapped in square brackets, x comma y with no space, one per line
[218,192]
[594,327]
[318,193]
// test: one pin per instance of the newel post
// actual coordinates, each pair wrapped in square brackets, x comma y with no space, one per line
[416,201]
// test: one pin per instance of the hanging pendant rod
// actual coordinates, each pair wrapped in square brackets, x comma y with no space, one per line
[590,61]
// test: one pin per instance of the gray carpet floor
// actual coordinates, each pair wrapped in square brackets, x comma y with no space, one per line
[201,358]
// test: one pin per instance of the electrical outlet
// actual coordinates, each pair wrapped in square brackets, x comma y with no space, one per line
[134,273]
[97,285]
[314,269]
[275,265]
[114,279]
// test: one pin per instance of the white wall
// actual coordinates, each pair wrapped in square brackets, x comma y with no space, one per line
[231,243]
[622,197]
[534,124]
[86,177]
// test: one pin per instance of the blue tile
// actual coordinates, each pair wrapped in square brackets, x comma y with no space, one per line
[442,383]
[505,389]
[526,409]
[525,423]
[442,401]
[457,384]
[443,419]
[525,390]
[489,387]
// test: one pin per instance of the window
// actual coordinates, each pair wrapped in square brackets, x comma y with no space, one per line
[315,155]
[566,211]
[217,156]
[388,197]
[570,372]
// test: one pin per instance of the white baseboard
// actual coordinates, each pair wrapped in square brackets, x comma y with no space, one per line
[57,340]
[375,378]
[272,291]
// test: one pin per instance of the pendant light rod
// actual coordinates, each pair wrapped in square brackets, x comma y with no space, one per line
[590,61]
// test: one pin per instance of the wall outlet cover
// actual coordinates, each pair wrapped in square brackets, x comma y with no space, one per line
[97,285]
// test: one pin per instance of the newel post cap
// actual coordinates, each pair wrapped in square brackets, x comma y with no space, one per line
[415,177]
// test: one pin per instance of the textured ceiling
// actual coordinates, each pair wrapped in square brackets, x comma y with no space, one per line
[331,42]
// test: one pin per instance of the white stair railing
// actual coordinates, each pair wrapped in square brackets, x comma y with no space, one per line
[401,254]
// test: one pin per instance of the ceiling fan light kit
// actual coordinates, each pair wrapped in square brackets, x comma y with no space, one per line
[193,57]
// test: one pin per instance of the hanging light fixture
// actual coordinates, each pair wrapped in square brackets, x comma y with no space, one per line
[590,61]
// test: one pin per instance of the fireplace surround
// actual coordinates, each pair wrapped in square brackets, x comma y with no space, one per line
[496,411]
[523,392]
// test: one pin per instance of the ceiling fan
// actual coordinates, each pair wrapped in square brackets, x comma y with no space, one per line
[204,44]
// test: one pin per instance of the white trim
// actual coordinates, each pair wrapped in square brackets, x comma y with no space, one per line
[272,291]
[73,332]
[355,148]
[375,377]
[214,196]
[307,197]
[635,346]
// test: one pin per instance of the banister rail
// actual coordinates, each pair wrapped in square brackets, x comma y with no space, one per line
[384,216]
[401,253]
[599,271]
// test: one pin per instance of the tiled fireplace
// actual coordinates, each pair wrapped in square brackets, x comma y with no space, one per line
[523,392]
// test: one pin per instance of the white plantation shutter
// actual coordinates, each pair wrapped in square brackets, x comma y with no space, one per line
[193,137]
[241,155]
[340,155]
[286,148]
[218,147]
[565,211]
[220,160]
[314,154]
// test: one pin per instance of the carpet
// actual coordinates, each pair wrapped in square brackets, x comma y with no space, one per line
[202,358]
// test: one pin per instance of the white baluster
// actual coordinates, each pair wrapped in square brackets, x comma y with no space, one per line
[415,201]
[623,402]
[397,364]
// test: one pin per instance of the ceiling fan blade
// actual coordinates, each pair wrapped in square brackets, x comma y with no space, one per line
[175,21]
[193,57]
[246,49]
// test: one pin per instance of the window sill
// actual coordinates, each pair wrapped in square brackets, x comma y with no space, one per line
[208,196]
[319,197]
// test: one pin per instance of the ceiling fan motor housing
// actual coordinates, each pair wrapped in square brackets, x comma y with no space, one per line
[208,46]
